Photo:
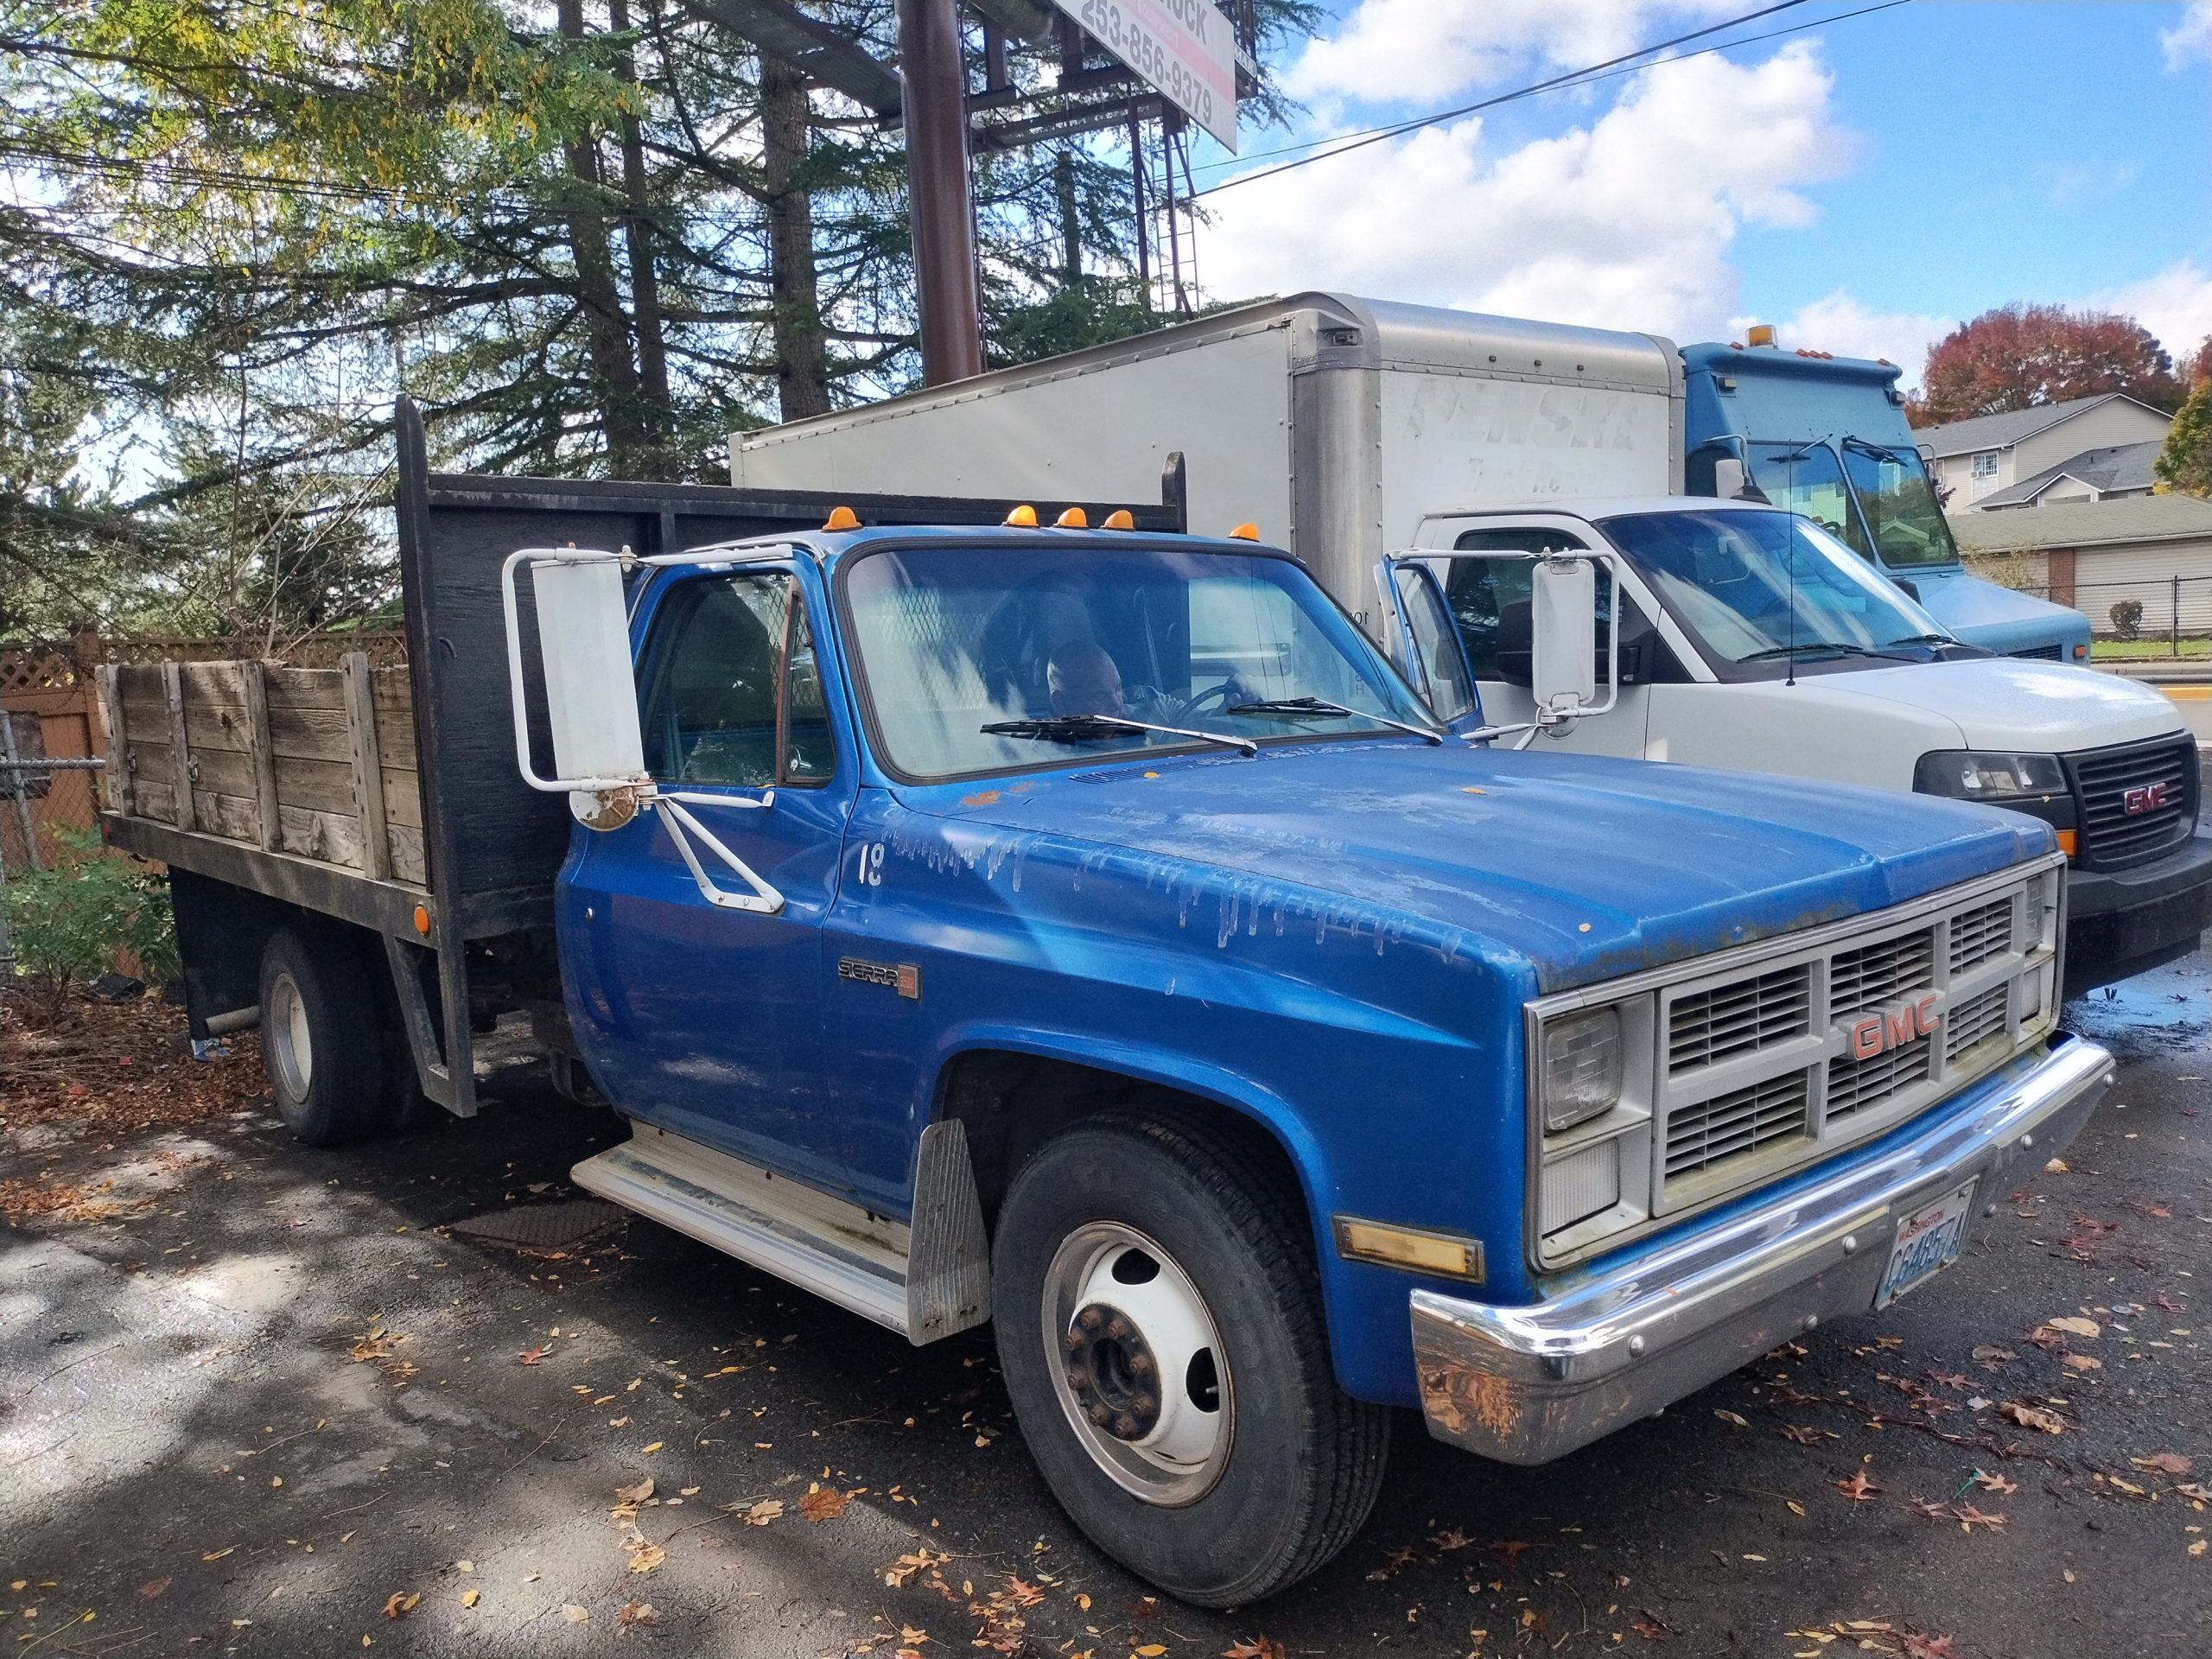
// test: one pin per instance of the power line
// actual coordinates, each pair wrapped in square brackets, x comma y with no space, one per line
[1588,77]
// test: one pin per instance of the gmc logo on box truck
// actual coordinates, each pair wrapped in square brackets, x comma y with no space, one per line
[1894,1025]
[2147,798]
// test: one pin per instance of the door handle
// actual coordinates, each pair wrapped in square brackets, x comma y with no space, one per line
[763,900]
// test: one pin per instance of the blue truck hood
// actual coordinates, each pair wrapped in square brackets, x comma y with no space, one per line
[1586,867]
[1999,619]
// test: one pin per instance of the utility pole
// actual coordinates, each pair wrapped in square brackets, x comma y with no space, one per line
[939,203]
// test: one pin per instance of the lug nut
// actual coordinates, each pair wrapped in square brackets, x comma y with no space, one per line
[1079,1380]
[1118,1328]
[1089,1318]
[1126,1427]
[1145,1405]
[1099,1413]
[1074,1342]
[1141,1363]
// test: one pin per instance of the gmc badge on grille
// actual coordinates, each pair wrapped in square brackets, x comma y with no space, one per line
[1892,1026]
[2148,798]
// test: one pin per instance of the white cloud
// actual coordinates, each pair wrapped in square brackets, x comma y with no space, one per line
[2190,38]
[2174,304]
[1424,50]
[1837,322]
[1625,222]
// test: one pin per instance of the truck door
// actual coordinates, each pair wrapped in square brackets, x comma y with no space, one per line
[1425,647]
[702,1019]
[1485,579]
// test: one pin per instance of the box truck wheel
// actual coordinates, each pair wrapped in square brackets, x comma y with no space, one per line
[319,1038]
[1160,1327]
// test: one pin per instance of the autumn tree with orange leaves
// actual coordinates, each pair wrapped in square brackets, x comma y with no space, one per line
[2020,356]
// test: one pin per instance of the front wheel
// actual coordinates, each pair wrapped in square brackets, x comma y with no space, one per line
[1160,1326]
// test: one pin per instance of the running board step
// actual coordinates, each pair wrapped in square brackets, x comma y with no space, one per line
[923,1288]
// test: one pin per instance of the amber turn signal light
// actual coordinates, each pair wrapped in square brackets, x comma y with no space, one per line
[1452,1255]
[1119,519]
[1247,531]
[2069,841]
[1023,516]
[422,920]
[1073,518]
[842,517]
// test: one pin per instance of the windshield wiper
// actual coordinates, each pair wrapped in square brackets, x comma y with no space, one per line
[1308,707]
[1840,647]
[1929,639]
[1095,728]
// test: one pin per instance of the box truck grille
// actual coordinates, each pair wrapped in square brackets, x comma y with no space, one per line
[2041,654]
[2134,803]
[1740,1017]
[1736,1124]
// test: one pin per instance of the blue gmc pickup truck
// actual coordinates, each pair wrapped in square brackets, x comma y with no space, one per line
[1087,931]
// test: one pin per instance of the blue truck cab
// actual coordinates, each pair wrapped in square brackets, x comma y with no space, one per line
[1088,931]
[1827,436]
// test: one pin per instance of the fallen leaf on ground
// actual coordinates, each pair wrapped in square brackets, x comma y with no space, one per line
[1971,1517]
[656,1445]
[637,1494]
[2057,1167]
[402,1603]
[470,1596]
[1260,1647]
[530,1356]
[645,1557]
[153,1587]
[2032,1417]
[1858,1489]
[824,1505]
[1149,1650]
[2074,1325]
[2166,1463]
[217,1555]
[764,1511]
[1804,1435]
[2081,1363]
[1731,1417]
[1932,1647]
[575,1614]
[636,1612]
[1996,1484]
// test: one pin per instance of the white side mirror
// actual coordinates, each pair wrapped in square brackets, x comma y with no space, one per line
[591,699]
[1728,477]
[1563,634]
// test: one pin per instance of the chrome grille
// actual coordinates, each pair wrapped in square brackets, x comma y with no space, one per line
[1740,1122]
[1855,1083]
[1874,973]
[1740,1017]
[2107,780]
[1981,933]
[1976,1019]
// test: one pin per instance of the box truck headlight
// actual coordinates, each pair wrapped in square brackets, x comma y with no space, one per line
[1977,775]
[1581,1068]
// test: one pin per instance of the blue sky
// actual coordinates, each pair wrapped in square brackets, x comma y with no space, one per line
[1866,183]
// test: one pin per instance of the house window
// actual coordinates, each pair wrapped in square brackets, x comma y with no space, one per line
[1985,466]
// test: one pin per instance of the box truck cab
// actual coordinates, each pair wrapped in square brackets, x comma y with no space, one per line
[1827,436]
[1726,633]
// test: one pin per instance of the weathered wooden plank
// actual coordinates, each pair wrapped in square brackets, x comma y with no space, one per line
[308,734]
[223,771]
[393,689]
[332,837]
[263,756]
[155,800]
[152,763]
[220,682]
[403,798]
[304,688]
[396,737]
[180,747]
[407,863]
[368,770]
[140,682]
[314,786]
[217,725]
[229,816]
[115,776]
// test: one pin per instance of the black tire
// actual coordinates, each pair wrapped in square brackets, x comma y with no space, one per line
[1299,1463]
[319,1037]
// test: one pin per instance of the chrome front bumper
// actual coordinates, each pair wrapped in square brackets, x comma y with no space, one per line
[1528,1384]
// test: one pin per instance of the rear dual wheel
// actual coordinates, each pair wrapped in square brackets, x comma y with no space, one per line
[1160,1326]
[340,1068]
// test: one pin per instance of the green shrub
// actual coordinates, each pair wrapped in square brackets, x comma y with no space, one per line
[69,924]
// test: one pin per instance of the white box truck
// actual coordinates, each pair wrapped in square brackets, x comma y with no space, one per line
[1401,451]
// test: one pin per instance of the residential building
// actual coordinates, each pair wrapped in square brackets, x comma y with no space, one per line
[2113,474]
[2152,551]
[1973,460]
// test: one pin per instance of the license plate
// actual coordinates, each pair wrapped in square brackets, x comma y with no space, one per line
[1928,1241]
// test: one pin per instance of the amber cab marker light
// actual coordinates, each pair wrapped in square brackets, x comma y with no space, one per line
[1119,519]
[842,517]
[1762,334]
[1417,1248]
[2069,841]
[1023,516]
[1073,518]
[422,921]
[1247,531]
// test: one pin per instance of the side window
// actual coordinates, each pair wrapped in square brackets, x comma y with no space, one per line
[1437,671]
[735,696]
[1489,598]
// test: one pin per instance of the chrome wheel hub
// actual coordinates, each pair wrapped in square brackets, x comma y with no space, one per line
[284,1025]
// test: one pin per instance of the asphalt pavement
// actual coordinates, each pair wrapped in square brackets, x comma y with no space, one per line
[256,1399]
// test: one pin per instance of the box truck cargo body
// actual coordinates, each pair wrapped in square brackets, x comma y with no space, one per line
[1334,424]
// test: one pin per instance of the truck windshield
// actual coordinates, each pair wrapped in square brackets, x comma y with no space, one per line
[1807,478]
[1756,587]
[953,640]
[1899,505]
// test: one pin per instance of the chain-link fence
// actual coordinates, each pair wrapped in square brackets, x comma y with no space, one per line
[2142,616]
[27,783]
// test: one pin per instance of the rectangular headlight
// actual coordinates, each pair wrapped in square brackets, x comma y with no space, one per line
[1580,1068]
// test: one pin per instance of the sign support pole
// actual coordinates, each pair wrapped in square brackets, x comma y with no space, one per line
[940,204]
